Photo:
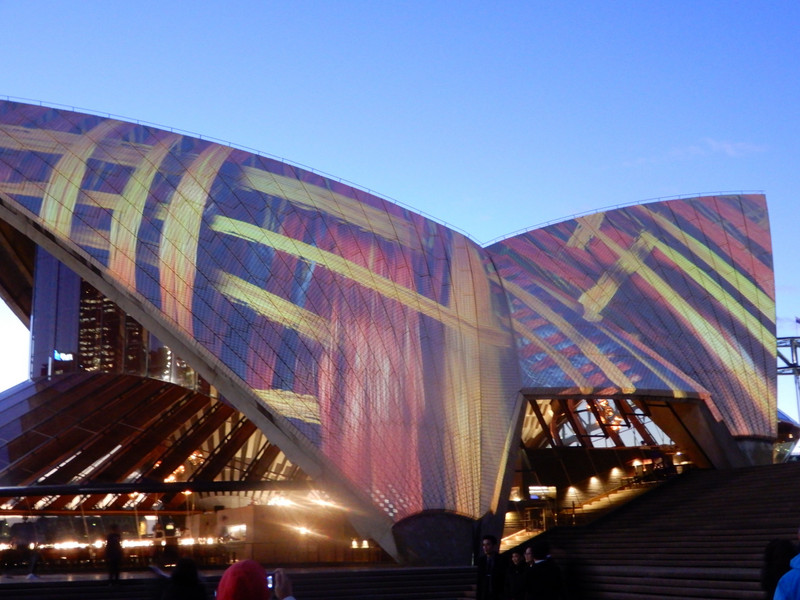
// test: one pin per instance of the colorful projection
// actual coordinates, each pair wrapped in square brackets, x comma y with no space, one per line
[386,353]
[666,298]
[379,338]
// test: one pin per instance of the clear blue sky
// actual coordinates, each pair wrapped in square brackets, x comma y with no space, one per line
[491,117]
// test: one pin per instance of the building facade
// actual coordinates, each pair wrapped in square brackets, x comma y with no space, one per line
[394,361]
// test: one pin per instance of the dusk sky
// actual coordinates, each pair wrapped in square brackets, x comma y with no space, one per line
[489,117]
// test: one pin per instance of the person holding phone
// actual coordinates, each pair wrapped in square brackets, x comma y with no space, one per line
[247,580]
[244,580]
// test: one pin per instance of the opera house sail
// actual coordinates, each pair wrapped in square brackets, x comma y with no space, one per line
[393,361]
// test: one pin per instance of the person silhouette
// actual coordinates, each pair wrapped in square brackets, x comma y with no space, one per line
[113,553]
[491,570]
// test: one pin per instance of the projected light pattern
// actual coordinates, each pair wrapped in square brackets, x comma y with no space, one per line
[652,296]
[380,336]
[387,351]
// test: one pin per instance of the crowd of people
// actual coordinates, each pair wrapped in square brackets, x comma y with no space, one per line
[530,574]
[533,574]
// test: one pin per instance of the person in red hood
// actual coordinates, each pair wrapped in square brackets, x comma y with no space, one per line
[244,580]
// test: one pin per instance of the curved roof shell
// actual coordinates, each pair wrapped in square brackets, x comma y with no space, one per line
[672,298]
[373,345]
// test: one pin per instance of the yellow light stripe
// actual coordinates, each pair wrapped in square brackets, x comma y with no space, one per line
[15,137]
[128,213]
[63,188]
[706,334]
[120,152]
[460,394]
[346,209]
[749,321]
[23,188]
[599,295]
[584,230]
[360,275]
[90,238]
[318,198]
[589,349]
[274,307]
[303,407]
[748,288]
[180,235]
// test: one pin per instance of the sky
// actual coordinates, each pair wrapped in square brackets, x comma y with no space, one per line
[489,117]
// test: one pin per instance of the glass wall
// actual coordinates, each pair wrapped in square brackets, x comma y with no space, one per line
[76,328]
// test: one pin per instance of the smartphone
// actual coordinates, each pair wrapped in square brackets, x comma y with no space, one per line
[269,580]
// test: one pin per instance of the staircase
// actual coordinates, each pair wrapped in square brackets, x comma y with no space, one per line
[517,539]
[580,514]
[699,536]
[600,505]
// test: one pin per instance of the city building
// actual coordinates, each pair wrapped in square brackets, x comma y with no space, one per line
[249,330]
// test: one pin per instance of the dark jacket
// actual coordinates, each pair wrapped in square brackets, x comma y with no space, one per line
[515,581]
[491,577]
[544,581]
